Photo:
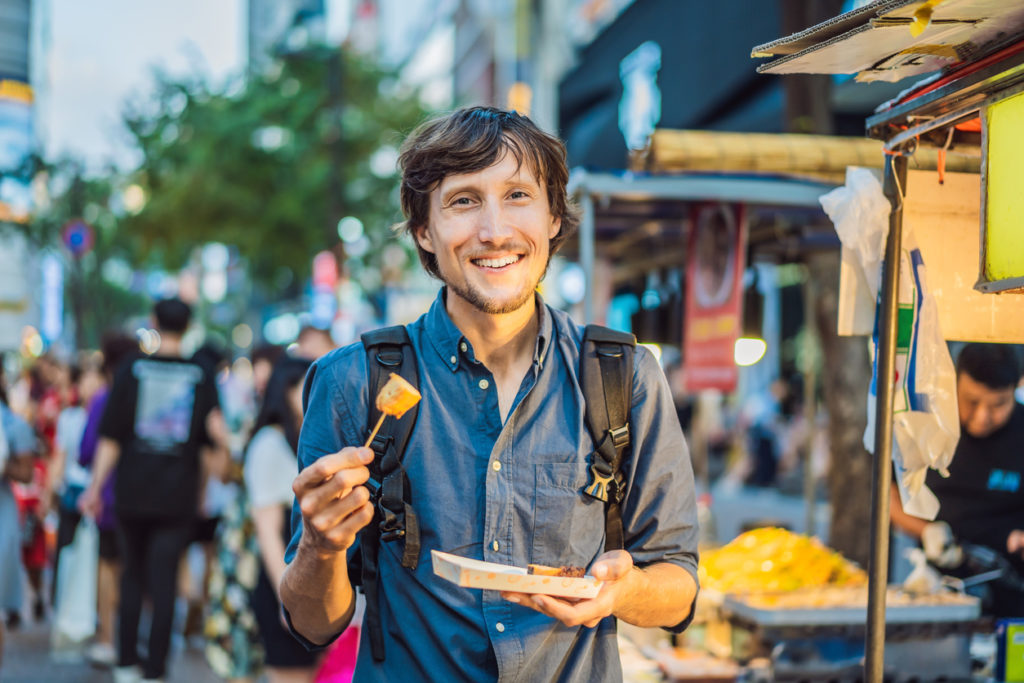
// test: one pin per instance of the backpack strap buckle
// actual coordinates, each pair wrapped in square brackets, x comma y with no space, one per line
[600,481]
[620,437]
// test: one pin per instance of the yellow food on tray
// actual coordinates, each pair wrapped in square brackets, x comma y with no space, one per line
[773,559]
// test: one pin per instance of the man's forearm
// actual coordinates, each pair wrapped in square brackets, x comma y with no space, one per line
[908,524]
[108,452]
[318,595]
[658,595]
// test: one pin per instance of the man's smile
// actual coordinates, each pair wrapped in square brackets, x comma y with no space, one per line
[497,263]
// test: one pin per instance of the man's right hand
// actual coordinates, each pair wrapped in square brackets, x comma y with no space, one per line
[334,503]
[940,547]
[90,503]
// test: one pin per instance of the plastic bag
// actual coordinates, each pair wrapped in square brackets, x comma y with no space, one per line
[923,579]
[926,423]
[75,613]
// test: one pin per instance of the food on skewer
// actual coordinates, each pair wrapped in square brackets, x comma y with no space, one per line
[568,571]
[394,398]
[397,396]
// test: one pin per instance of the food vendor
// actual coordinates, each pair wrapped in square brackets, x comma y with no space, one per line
[982,500]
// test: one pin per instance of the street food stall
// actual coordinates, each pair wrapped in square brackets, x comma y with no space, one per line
[972,52]
[811,625]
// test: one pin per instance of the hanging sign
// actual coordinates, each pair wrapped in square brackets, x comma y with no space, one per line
[715,260]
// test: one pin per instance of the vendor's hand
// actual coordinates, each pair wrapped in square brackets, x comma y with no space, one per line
[940,547]
[334,503]
[90,503]
[614,568]
[1015,542]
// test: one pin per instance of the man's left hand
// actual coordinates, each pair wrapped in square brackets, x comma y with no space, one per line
[1015,542]
[614,568]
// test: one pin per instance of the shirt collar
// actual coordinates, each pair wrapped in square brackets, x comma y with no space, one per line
[449,343]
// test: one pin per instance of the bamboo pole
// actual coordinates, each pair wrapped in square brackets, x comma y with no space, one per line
[822,157]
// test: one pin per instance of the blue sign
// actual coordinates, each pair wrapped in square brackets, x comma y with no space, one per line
[78,237]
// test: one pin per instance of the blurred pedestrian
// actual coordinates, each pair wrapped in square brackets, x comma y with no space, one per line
[314,342]
[116,348]
[152,428]
[264,357]
[270,468]
[66,478]
[215,460]
[49,388]
[17,452]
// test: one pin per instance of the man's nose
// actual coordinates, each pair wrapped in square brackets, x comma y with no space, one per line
[982,417]
[494,223]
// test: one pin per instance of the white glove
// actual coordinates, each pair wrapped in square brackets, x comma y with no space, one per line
[939,546]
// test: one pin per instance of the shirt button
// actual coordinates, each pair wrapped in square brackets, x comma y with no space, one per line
[499,627]
[463,347]
[454,360]
[495,546]
[483,384]
[496,465]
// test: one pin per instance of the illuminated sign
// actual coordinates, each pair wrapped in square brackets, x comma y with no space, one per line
[1002,218]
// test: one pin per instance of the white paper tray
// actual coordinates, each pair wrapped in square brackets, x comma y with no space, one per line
[463,571]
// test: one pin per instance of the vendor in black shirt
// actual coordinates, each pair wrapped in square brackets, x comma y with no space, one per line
[982,500]
[153,430]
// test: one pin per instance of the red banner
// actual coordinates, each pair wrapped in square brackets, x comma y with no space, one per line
[715,260]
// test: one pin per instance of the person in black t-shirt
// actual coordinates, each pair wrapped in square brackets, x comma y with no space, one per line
[982,500]
[153,429]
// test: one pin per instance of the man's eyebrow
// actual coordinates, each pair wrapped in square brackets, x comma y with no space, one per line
[457,187]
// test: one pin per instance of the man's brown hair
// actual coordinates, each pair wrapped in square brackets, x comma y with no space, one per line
[473,139]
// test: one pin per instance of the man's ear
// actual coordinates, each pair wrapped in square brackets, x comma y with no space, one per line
[556,226]
[423,239]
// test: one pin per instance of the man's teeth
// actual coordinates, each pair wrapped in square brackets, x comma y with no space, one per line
[496,262]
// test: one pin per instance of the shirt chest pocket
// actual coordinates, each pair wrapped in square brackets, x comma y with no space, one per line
[568,526]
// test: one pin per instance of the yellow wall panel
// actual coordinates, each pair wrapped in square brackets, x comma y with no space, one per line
[1004,194]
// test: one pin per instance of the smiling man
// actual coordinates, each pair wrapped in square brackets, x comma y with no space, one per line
[499,456]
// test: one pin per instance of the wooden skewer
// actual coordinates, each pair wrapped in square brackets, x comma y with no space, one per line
[375,430]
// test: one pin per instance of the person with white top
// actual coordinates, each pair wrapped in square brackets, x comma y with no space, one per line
[270,468]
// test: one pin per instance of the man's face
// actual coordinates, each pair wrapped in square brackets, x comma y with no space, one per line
[983,410]
[490,231]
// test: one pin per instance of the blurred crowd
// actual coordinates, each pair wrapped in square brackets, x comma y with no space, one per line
[95,565]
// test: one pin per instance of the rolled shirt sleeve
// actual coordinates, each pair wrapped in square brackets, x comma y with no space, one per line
[659,513]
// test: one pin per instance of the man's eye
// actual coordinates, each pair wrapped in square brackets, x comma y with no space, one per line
[519,194]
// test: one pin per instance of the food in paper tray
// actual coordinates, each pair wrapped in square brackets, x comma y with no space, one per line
[470,573]
[568,570]
[397,396]
[773,560]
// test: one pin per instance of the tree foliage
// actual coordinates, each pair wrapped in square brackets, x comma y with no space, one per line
[99,291]
[272,166]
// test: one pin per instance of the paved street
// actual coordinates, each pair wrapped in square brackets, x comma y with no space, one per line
[26,659]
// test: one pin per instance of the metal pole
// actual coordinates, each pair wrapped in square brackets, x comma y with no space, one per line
[810,371]
[894,186]
[587,231]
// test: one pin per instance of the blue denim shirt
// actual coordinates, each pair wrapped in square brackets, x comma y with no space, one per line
[508,493]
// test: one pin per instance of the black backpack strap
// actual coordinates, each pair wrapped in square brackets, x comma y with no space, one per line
[606,377]
[388,350]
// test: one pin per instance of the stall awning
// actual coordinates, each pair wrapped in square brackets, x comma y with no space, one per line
[819,157]
[888,40]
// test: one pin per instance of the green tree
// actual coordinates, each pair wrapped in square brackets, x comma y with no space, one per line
[271,167]
[98,288]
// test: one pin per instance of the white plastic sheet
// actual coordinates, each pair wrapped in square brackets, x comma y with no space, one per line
[926,425]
